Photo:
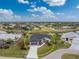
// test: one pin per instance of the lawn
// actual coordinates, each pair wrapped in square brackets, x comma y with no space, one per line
[13,51]
[70,56]
[45,50]
[56,43]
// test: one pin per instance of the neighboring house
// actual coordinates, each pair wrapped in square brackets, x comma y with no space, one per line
[12,25]
[23,27]
[6,36]
[1,26]
[38,39]
[77,32]
[68,36]
[3,32]
[66,27]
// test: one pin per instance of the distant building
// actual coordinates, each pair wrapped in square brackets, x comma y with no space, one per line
[66,27]
[77,32]
[2,32]
[1,26]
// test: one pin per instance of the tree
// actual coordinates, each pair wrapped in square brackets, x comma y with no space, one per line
[23,42]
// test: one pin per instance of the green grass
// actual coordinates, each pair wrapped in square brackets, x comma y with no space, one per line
[45,50]
[13,51]
[70,56]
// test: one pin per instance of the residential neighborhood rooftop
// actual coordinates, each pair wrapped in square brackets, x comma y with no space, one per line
[37,37]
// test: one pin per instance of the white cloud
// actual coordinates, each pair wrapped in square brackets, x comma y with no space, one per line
[60,13]
[8,15]
[47,13]
[23,1]
[77,6]
[33,6]
[55,2]
[6,12]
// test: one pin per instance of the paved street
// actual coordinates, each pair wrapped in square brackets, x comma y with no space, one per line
[57,54]
[9,58]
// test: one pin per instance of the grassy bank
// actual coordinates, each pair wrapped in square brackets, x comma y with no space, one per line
[70,56]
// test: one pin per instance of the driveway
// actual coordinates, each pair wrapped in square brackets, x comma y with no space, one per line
[75,44]
[32,52]
[58,53]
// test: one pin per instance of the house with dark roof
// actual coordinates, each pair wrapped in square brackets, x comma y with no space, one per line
[38,39]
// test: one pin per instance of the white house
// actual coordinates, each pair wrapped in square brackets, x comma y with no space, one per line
[77,32]
[66,27]
[3,32]
[6,36]
[68,36]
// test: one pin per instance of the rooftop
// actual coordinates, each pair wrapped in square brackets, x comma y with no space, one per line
[37,37]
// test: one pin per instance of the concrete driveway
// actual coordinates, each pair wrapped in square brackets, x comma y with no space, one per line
[75,44]
[32,54]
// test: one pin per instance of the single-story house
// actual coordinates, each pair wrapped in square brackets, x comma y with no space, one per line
[3,32]
[6,36]
[68,36]
[38,39]
[77,32]
[66,27]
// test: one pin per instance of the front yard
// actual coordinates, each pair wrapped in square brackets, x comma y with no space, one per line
[45,50]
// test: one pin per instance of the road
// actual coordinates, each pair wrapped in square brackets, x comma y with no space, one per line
[58,53]
[9,58]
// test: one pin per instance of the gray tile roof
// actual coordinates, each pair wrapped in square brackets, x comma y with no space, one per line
[38,37]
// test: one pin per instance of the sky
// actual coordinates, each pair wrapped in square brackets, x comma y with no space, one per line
[39,10]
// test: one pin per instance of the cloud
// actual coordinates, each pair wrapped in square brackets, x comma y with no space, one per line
[60,13]
[47,13]
[33,6]
[23,1]
[8,15]
[77,6]
[55,2]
